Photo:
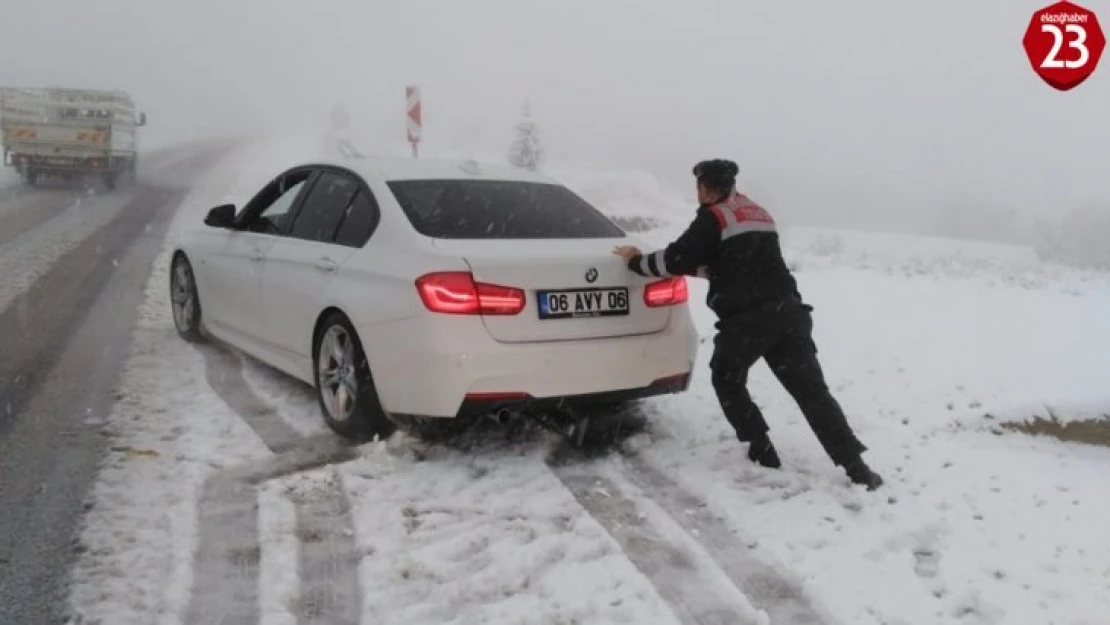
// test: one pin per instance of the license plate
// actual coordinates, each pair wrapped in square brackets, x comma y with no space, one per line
[569,304]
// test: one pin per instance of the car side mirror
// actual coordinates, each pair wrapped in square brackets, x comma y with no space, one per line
[221,217]
[142,119]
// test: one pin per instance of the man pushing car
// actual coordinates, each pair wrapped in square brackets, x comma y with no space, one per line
[735,244]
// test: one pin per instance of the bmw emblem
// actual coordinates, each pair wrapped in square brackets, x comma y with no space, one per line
[591,275]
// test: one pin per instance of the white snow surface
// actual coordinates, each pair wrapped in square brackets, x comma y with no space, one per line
[493,539]
[925,342]
[170,431]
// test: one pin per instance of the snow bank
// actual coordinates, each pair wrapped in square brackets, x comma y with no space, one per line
[935,257]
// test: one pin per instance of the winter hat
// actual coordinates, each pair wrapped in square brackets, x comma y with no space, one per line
[717,173]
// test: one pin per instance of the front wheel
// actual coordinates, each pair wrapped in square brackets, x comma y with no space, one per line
[184,300]
[344,386]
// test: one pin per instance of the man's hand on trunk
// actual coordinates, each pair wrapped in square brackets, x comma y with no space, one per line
[626,251]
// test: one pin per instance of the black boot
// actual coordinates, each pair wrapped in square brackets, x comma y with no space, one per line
[762,452]
[860,473]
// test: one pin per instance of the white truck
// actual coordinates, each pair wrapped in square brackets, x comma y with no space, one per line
[71,133]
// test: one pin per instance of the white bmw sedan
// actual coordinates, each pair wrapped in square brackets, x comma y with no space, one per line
[421,288]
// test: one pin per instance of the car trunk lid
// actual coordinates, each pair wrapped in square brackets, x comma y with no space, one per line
[574,288]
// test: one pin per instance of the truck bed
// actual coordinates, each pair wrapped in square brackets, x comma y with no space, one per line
[69,132]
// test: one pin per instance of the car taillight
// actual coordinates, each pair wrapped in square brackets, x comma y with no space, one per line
[667,292]
[456,293]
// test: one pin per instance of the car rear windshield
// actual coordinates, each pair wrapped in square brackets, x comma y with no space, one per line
[497,209]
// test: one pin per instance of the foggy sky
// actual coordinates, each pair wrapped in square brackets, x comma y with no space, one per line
[870,107]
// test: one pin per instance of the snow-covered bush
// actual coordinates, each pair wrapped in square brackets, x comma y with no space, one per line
[826,245]
[979,222]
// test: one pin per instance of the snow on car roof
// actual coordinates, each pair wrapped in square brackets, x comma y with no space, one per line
[401,168]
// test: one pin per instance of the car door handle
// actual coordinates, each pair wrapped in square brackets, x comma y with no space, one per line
[257,255]
[327,265]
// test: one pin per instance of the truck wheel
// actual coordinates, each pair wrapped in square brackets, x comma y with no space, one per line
[31,177]
[110,181]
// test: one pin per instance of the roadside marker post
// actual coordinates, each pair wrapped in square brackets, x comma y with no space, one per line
[415,119]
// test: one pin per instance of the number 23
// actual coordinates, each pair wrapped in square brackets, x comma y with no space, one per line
[1052,61]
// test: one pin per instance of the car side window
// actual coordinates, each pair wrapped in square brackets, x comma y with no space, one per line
[324,207]
[359,221]
[278,198]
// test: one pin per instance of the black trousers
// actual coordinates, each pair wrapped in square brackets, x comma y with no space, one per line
[783,336]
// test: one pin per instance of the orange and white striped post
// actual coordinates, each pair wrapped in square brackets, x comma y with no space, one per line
[415,121]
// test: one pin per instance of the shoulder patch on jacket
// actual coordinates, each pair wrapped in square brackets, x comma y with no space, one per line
[739,215]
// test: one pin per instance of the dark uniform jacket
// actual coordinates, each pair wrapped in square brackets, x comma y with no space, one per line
[736,246]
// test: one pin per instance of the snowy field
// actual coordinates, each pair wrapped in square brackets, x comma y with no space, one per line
[926,343]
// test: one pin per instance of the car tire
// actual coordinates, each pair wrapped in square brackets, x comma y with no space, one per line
[611,424]
[184,299]
[344,385]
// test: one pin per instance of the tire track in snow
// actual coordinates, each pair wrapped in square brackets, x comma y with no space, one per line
[688,588]
[782,599]
[328,559]
[224,372]
[227,564]
[606,491]
[695,567]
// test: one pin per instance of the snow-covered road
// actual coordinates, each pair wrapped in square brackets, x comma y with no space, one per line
[224,495]
[72,266]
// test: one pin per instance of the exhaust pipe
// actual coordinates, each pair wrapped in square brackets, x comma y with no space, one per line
[502,416]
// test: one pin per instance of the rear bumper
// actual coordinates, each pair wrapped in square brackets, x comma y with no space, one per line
[482,403]
[446,366]
[91,163]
